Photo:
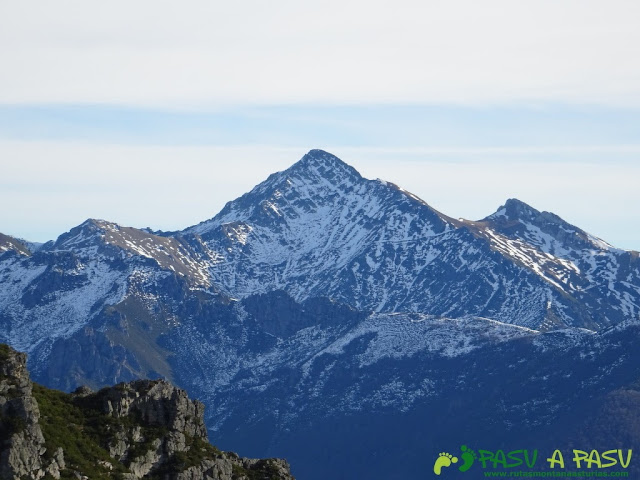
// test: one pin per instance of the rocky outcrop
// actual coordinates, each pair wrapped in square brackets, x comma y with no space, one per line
[142,429]
[21,441]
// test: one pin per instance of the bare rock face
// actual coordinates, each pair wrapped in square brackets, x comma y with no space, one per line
[155,403]
[237,468]
[21,441]
[142,429]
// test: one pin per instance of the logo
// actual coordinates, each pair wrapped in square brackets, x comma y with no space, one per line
[444,460]
[512,463]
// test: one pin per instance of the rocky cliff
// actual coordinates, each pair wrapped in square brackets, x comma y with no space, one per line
[143,429]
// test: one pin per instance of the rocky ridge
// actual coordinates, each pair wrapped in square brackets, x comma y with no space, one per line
[8,243]
[143,429]
[23,443]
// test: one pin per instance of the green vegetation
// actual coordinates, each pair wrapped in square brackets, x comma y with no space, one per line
[78,425]
[11,424]
[149,436]
[263,470]
[82,434]
[144,331]
[4,352]
[198,451]
[238,472]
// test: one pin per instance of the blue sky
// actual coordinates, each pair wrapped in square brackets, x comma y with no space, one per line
[398,126]
[156,114]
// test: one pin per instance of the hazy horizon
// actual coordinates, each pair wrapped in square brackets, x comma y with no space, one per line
[157,114]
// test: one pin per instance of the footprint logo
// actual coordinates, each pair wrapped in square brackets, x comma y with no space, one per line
[444,460]
[468,458]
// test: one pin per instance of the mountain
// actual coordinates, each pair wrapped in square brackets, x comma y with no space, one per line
[328,318]
[587,268]
[320,229]
[10,244]
[390,395]
[145,429]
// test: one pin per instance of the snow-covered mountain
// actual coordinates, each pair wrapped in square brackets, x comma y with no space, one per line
[322,297]
[320,229]
[382,398]
[8,243]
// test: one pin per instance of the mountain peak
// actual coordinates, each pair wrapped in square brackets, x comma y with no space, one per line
[324,164]
[545,230]
[8,243]
[319,156]
[89,234]
[515,203]
[515,209]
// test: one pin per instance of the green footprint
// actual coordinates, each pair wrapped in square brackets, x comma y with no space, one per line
[468,457]
[444,460]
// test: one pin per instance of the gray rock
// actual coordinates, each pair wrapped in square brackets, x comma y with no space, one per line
[148,427]
[22,442]
[151,460]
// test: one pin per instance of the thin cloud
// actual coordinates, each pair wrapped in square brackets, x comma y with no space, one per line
[497,150]
[201,53]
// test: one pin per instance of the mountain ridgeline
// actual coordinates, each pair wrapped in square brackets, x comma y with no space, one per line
[340,322]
